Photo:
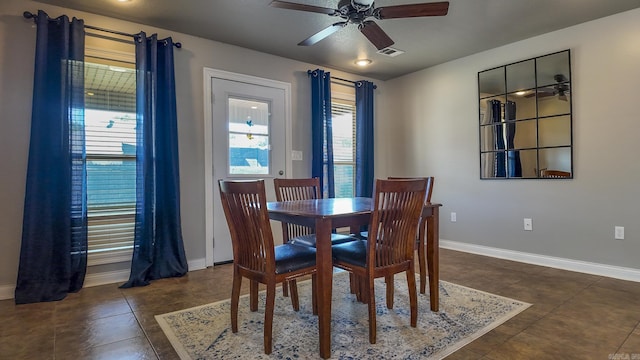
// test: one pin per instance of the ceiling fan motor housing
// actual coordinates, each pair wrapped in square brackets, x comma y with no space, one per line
[353,12]
[361,5]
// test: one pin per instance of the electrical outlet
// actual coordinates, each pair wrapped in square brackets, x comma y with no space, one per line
[528,224]
[619,232]
[453,217]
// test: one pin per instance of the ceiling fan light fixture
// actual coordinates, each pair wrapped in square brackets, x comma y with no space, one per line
[362,5]
[363,62]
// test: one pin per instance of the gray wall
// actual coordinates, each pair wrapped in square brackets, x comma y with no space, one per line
[436,110]
[17,42]
[426,124]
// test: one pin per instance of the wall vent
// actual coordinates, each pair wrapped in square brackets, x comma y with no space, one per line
[391,52]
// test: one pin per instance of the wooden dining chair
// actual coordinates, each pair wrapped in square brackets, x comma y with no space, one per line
[420,240]
[301,189]
[389,249]
[556,174]
[254,254]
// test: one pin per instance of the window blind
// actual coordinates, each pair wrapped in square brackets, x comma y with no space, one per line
[344,133]
[110,131]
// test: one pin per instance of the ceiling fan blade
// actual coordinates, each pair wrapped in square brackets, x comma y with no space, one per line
[302,7]
[322,34]
[541,92]
[376,35]
[413,10]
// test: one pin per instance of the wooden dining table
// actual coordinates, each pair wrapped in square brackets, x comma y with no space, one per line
[327,214]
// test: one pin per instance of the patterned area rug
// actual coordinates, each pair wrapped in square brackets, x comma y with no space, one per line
[204,332]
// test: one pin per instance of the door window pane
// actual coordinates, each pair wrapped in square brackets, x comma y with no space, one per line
[249,137]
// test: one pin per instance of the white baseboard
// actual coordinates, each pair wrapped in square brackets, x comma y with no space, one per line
[197,264]
[618,272]
[7,291]
[612,271]
[103,278]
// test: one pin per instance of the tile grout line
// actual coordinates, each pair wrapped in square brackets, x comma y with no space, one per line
[144,331]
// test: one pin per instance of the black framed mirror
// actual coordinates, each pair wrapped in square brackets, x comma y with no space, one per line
[526,125]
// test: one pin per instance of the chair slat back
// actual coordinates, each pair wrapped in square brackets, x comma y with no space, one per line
[394,221]
[296,189]
[430,180]
[245,208]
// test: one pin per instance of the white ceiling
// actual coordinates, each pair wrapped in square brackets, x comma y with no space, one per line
[471,26]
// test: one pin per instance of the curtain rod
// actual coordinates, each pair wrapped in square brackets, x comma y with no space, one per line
[349,81]
[345,80]
[30,15]
[309,72]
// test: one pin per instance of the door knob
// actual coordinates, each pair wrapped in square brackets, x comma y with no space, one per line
[281,172]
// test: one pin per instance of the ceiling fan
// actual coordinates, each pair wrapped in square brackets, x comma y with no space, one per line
[359,11]
[561,88]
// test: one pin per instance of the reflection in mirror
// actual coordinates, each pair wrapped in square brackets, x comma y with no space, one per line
[550,103]
[553,69]
[554,131]
[529,161]
[525,134]
[556,159]
[491,82]
[525,118]
[521,76]
[525,106]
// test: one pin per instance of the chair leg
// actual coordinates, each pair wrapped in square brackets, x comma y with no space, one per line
[353,285]
[314,294]
[361,294]
[422,253]
[235,297]
[371,301]
[285,288]
[389,283]
[294,295]
[268,316]
[253,295]
[357,287]
[413,295]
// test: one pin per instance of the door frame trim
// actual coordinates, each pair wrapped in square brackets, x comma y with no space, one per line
[209,188]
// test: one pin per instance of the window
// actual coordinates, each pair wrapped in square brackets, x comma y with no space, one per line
[343,112]
[110,130]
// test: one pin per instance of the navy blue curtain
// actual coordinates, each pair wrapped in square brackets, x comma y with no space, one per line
[514,165]
[321,131]
[500,168]
[158,247]
[364,138]
[53,253]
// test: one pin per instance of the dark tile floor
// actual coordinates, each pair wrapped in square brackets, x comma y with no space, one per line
[574,315]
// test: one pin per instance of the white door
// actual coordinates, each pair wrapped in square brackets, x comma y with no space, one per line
[248,141]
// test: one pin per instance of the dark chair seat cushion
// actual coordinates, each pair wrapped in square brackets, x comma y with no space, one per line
[353,252]
[291,257]
[310,240]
